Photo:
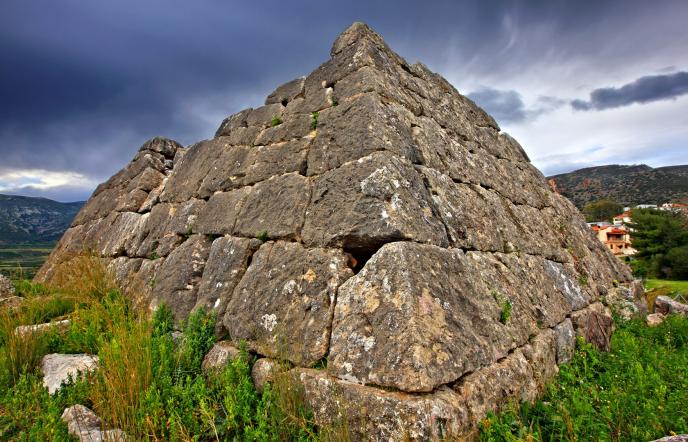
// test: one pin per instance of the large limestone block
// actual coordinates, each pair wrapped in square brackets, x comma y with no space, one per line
[233,122]
[371,201]
[356,129]
[283,305]
[286,92]
[276,207]
[220,214]
[176,281]
[372,414]
[192,170]
[520,377]
[221,354]
[419,316]
[228,260]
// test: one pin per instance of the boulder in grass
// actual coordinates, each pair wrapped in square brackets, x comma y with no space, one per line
[86,426]
[667,306]
[221,354]
[654,319]
[59,368]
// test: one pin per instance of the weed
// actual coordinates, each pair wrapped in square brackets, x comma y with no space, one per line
[635,392]
[314,120]
[505,305]
[276,121]
[583,280]
[263,236]
[153,255]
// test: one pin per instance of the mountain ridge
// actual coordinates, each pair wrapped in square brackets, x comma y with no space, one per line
[26,219]
[626,184]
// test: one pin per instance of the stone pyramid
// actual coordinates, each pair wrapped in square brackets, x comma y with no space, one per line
[370,219]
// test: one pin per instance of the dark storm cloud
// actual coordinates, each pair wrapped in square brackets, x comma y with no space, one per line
[508,107]
[643,90]
[83,84]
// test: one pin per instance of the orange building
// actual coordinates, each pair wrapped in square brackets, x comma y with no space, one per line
[616,237]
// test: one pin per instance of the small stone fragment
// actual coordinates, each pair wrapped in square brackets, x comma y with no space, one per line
[654,319]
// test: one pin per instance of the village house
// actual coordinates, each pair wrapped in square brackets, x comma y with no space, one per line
[615,236]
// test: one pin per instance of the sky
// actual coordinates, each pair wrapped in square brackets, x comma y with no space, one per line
[84,83]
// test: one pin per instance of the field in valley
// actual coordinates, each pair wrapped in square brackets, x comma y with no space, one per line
[23,261]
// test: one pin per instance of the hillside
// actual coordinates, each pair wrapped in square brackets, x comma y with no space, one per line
[628,185]
[34,220]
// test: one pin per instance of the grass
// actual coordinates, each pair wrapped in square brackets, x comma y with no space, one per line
[148,384]
[674,287]
[635,392]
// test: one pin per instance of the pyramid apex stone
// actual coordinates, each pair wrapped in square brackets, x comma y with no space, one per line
[355,33]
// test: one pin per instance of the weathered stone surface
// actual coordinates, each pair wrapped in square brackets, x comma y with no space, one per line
[520,377]
[369,413]
[283,305]
[58,368]
[264,371]
[369,202]
[228,260]
[219,215]
[356,129]
[276,207]
[667,306]
[6,287]
[86,426]
[176,282]
[467,264]
[128,189]
[627,300]
[676,438]
[565,340]
[233,122]
[594,324]
[654,319]
[417,329]
[287,92]
[222,353]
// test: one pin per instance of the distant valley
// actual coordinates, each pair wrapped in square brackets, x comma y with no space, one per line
[26,220]
[29,228]
[627,185]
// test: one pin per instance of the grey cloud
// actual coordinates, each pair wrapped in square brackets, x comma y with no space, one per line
[643,90]
[507,106]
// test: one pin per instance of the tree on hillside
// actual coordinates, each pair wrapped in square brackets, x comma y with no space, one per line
[602,210]
[661,239]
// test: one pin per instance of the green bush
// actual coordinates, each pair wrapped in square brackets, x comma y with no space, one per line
[635,392]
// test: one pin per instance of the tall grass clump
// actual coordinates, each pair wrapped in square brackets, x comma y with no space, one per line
[150,381]
[635,392]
